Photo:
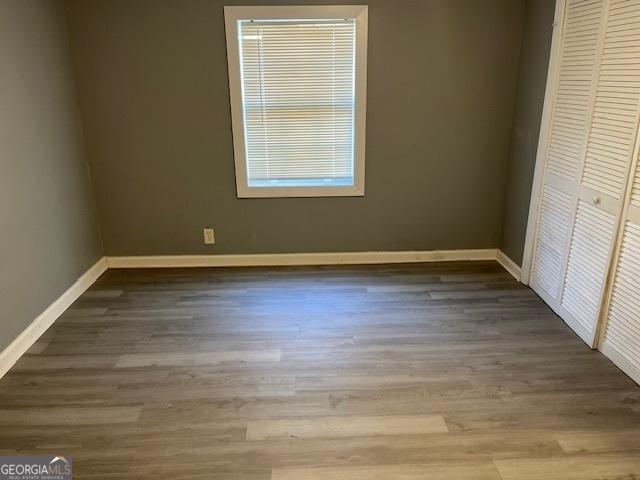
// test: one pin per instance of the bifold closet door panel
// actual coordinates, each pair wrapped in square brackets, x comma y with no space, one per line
[605,172]
[621,336]
[621,331]
[588,264]
[566,145]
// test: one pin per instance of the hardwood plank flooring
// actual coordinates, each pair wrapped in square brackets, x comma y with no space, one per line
[478,471]
[342,426]
[620,440]
[583,467]
[438,371]
[196,358]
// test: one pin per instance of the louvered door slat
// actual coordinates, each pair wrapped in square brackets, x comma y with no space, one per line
[552,230]
[587,265]
[635,193]
[616,103]
[575,83]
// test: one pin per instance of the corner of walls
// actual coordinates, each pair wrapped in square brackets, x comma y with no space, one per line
[48,192]
[534,62]
[81,126]
[509,160]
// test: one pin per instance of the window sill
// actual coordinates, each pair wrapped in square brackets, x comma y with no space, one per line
[299,192]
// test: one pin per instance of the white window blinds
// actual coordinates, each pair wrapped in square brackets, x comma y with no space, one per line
[298,101]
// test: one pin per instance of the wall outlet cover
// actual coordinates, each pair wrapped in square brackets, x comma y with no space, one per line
[209,236]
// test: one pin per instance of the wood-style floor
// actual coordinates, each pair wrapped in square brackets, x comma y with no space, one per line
[439,371]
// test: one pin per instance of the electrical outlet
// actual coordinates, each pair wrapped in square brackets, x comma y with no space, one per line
[209,236]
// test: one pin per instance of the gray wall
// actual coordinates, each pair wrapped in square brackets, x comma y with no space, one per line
[532,79]
[48,232]
[153,89]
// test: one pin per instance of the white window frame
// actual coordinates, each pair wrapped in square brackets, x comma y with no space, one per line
[232,16]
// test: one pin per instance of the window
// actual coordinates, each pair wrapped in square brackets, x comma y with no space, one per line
[297,78]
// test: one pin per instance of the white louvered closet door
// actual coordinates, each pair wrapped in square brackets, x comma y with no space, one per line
[573,93]
[620,339]
[610,147]
[588,166]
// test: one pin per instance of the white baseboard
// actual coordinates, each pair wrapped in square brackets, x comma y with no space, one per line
[285,259]
[509,265]
[10,355]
